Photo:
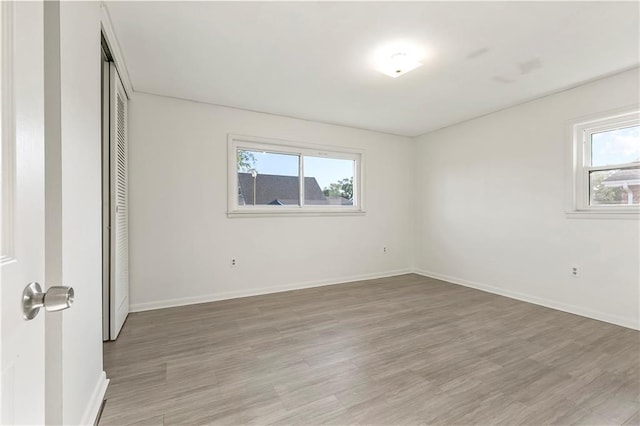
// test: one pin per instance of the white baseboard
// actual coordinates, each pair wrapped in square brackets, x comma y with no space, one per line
[91,413]
[171,303]
[572,309]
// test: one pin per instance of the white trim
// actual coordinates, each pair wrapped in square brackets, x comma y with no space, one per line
[564,307]
[572,309]
[235,142]
[295,213]
[116,51]
[170,303]
[93,408]
[7,135]
[594,214]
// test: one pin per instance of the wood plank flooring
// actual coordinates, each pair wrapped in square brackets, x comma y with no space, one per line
[401,350]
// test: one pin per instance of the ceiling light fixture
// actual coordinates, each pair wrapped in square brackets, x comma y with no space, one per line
[398,59]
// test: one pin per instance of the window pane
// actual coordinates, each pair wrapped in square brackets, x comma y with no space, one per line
[267,178]
[611,187]
[328,181]
[615,146]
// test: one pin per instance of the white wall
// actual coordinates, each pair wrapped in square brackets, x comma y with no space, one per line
[491,209]
[487,209]
[181,241]
[83,379]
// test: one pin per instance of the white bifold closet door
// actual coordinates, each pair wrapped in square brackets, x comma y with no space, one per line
[119,285]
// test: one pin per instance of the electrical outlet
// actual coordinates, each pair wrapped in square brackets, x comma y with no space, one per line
[575,272]
[234,263]
[385,250]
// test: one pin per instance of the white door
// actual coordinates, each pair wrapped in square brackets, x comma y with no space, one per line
[22,111]
[119,288]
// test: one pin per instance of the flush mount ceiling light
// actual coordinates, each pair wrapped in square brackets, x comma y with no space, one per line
[399,64]
[398,59]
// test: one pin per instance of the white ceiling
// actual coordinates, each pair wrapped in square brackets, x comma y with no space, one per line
[313,60]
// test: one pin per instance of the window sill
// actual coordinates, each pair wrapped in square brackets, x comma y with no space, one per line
[293,213]
[603,214]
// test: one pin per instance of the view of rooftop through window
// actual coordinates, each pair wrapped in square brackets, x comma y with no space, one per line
[269,178]
[615,186]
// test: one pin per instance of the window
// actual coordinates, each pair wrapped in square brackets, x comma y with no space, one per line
[606,163]
[268,177]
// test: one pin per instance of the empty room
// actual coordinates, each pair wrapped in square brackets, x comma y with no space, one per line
[303,213]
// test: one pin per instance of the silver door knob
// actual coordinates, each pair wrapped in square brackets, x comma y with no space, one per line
[55,299]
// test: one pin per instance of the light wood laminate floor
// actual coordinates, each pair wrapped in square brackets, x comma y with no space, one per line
[401,350]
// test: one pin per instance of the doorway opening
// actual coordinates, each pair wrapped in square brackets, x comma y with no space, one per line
[115,200]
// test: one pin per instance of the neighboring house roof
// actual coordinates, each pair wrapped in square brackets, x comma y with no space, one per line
[282,190]
[621,177]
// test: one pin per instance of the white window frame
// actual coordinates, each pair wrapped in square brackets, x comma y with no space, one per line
[253,143]
[581,131]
